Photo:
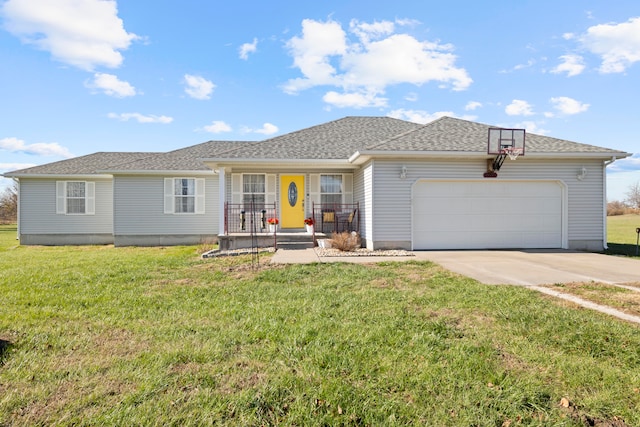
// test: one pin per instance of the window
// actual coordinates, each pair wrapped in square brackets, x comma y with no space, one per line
[253,190]
[75,197]
[330,189]
[183,196]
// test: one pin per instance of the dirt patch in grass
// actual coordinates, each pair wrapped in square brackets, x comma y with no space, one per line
[620,298]
[578,415]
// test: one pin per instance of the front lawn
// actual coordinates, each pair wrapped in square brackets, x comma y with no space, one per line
[621,234]
[157,336]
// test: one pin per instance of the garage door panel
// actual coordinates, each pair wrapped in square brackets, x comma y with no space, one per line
[482,214]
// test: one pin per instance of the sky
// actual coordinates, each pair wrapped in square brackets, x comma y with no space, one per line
[81,76]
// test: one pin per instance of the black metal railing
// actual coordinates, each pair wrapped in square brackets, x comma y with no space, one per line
[336,217]
[248,217]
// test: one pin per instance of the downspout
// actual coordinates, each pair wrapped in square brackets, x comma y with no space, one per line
[604,194]
[17,181]
[222,187]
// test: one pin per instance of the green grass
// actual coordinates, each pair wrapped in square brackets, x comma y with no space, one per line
[621,234]
[157,336]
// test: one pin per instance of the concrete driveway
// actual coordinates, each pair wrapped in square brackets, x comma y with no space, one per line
[536,267]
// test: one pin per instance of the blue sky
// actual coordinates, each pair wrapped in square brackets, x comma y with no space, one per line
[80,76]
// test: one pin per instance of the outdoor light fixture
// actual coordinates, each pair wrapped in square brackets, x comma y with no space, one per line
[403,172]
[582,173]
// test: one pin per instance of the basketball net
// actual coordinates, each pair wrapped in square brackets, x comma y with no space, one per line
[512,152]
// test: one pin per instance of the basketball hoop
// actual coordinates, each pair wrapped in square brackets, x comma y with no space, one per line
[512,152]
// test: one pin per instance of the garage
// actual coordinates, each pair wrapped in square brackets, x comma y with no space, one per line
[482,214]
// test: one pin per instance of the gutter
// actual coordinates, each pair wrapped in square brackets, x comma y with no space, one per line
[604,197]
[17,181]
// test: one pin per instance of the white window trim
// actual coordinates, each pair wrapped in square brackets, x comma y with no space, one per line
[89,198]
[342,193]
[169,196]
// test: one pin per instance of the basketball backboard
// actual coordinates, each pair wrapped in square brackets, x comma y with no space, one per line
[506,141]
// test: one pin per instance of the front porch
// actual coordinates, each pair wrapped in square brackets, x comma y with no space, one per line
[253,225]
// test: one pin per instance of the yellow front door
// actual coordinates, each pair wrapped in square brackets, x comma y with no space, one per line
[292,201]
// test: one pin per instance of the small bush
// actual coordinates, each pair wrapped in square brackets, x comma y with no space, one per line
[345,241]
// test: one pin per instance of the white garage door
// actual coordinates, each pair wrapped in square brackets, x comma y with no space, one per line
[487,214]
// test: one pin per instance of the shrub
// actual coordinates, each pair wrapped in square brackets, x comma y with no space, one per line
[345,241]
[617,208]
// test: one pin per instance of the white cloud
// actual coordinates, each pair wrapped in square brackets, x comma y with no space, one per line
[82,33]
[354,100]
[571,64]
[530,63]
[567,106]
[531,127]
[218,126]
[363,62]
[618,45]
[311,54]
[366,31]
[16,145]
[6,167]
[248,48]
[140,118]
[198,87]
[267,129]
[111,85]
[411,97]
[472,105]
[627,164]
[519,107]
[418,116]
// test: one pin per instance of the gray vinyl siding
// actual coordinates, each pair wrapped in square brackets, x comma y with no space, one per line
[392,195]
[363,193]
[139,209]
[38,210]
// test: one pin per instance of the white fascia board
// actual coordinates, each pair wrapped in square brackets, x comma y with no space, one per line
[163,172]
[58,176]
[359,158]
[278,164]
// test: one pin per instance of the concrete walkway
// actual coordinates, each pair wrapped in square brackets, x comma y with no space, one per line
[523,268]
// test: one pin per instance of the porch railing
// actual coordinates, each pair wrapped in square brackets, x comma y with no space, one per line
[248,218]
[336,217]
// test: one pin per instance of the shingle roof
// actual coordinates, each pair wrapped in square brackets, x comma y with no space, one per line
[457,135]
[184,159]
[83,165]
[335,140]
[338,139]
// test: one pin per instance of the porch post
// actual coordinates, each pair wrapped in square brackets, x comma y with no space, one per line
[222,186]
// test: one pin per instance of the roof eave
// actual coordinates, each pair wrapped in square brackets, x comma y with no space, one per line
[360,157]
[58,175]
[162,172]
[216,163]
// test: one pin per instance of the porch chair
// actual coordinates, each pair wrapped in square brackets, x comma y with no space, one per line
[328,218]
[348,222]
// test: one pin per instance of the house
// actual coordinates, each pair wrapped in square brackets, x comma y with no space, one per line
[405,185]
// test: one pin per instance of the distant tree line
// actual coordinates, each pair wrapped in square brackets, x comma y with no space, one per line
[9,205]
[630,205]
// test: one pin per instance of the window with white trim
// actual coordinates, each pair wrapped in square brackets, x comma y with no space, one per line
[183,196]
[75,198]
[253,190]
[331,189]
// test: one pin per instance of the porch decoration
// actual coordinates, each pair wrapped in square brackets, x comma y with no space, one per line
[308,225]
[273,224]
